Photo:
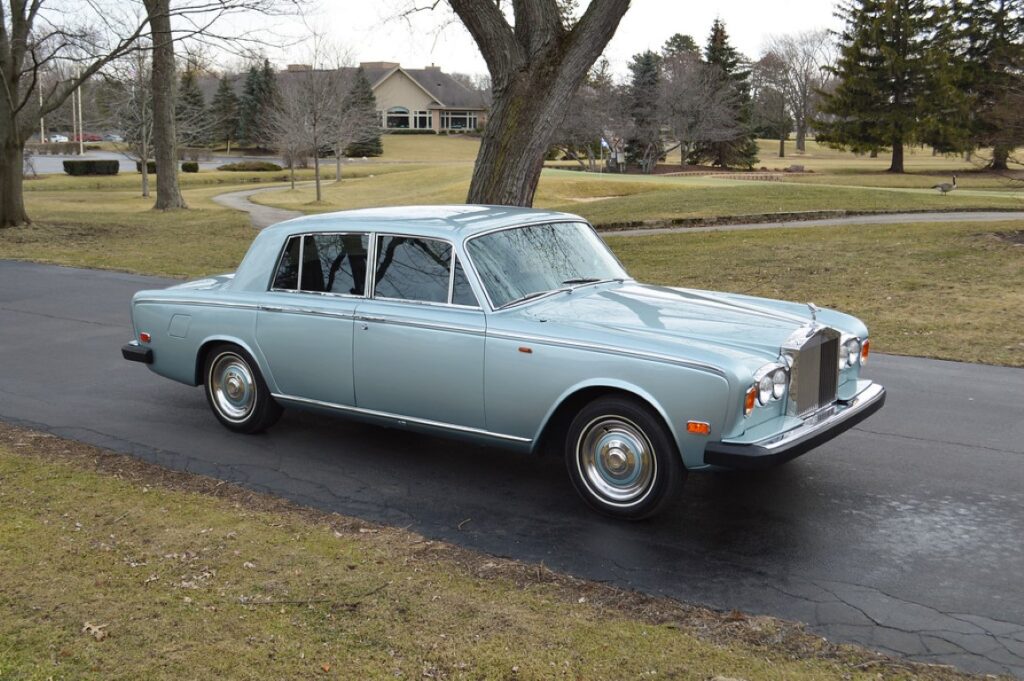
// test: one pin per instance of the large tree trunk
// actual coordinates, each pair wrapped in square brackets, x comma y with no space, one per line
[897,156]
[782,146]
[535,66]
[168,193]
[801,137]
[1000,158]
[12,201]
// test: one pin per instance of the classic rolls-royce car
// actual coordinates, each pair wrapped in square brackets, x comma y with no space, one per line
[514,327]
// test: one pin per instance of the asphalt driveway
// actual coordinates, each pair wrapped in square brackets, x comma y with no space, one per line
[905,534]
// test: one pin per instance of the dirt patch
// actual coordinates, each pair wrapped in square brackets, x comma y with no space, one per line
[1015,237]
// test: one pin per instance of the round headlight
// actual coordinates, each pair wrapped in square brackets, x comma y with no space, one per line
[765,388]
[779,380]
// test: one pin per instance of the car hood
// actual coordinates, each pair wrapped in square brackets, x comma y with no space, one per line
[689,323]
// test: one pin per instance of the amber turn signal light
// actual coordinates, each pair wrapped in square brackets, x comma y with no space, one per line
[698,427]
[865,350]
[750,401]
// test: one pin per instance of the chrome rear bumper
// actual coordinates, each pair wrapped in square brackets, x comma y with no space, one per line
[817,430]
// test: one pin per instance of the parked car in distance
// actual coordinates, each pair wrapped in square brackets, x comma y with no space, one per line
[88,137]
[57,137]
[513,327]
[113,137]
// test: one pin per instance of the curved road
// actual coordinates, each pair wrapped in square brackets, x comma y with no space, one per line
[904,534]
[264,216]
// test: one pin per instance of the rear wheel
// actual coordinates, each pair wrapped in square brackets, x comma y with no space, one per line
[236,391]
[622,459]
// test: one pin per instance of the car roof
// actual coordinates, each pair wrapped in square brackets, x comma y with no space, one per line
[441,221]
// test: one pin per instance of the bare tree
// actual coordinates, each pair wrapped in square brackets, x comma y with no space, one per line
[537,57]
[355,125]
[771,112]
[805,56]
[595,110]
[698,104]
[127,102]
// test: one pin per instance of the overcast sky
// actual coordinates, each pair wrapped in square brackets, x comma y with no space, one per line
[367,29]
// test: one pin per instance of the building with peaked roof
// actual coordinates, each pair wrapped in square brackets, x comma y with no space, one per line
[423,99]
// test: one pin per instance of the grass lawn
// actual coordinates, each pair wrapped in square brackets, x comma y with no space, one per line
[951,291]
[616,199]
[116,569]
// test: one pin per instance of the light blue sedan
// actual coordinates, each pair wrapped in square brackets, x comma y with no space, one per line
[514,327]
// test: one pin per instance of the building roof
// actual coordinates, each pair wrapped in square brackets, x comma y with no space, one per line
[448,93]
[441,221]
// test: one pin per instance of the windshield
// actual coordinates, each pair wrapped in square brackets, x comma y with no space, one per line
[525,262]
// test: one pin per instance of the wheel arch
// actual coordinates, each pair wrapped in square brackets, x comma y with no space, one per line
[211,342]
[556,422]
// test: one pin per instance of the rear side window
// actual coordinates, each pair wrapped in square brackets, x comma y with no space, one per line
[413,269]
[287,277]
[331,263]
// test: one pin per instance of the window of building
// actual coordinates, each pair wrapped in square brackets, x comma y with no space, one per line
[398,117]
[458,120]
[422,120]
[409,268]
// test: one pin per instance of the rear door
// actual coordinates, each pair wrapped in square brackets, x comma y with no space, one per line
[304,330]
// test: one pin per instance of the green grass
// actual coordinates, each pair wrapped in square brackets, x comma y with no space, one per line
[615,199]
[951,291]
[188,578]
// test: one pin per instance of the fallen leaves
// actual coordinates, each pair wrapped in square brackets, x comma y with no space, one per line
[97,631]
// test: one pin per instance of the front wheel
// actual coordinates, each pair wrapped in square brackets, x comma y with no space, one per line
[622,459]
[236,391]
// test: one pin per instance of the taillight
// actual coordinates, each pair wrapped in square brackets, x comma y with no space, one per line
[145,337]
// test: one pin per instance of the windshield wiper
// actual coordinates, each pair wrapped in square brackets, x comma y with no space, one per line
[528,296]
[583,280]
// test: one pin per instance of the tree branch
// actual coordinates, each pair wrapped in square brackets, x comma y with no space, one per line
[493,35]
[538,24]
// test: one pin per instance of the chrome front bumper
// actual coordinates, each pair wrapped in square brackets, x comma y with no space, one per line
[815,431]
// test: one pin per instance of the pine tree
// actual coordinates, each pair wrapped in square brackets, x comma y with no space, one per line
[742,149]
[361,97]
[224,114]
[990,58]
[260,97]
[190,114]
[679,45]
[894,80]
[643,146]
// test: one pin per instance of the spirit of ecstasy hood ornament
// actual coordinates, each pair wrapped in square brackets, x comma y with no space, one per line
[814,313]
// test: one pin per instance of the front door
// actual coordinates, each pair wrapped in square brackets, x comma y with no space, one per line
[419,342]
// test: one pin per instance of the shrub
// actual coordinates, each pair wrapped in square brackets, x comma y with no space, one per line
[190,167]
[250,166]
[92,167]
[150,167]
[411,131]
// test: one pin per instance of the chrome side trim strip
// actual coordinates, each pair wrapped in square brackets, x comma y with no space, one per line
[433,326]
[202,303]
[306,311]
[608,349]
[402,419]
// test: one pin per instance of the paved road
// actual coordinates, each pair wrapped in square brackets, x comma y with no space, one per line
[905,534]
[261,216]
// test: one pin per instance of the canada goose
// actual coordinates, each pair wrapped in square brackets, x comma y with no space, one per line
[946,187]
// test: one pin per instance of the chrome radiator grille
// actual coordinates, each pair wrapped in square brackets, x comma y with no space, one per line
[815,374]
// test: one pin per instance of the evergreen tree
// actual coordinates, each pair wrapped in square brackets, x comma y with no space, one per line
[679,45]
[742,149]
[987,35]
[643,145]
[361,99]
[260,97]
[224,114]
[895,83]
[190,116]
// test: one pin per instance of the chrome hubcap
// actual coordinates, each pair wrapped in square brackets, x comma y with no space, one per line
[616,460]
[232,387]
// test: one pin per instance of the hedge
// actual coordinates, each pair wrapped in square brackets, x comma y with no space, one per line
[92,167]
[190,167]
[257,166]
[150,167]
[410,131]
